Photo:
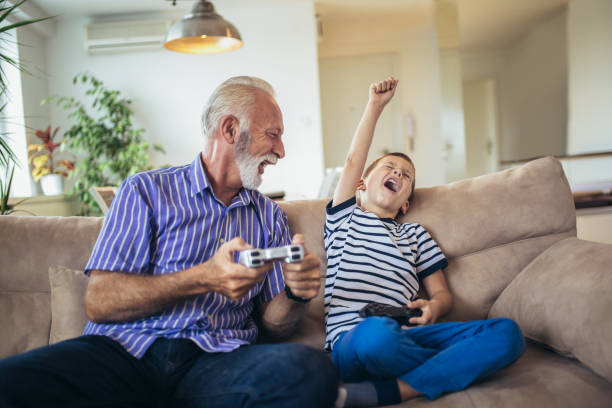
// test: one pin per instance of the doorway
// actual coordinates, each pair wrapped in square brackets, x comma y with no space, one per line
[344,91]
[481,126]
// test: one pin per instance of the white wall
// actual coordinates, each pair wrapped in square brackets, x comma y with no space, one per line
[480,109]
[453,127]
[414,39]
[590,78]
[344,83]
[532,78]
[590,90]
[168,89]
[534,85]
[588,117]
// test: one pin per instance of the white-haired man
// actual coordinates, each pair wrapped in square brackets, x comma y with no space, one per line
[170,311]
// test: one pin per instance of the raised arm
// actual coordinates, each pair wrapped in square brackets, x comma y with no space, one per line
[380,94]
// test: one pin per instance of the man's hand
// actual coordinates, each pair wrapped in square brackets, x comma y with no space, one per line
[303,278]
[382,92]
[223,275]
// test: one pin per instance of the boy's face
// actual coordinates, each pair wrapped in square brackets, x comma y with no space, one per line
[386,190]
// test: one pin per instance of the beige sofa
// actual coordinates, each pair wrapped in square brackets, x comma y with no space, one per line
[511,242]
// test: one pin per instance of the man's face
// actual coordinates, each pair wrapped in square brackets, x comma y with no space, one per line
[389,184]
[261,145]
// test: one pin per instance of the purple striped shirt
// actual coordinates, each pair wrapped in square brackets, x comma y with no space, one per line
[168,220]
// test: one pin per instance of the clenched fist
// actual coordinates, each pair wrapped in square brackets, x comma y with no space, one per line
[382,92]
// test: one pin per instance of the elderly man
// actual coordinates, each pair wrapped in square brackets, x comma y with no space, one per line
[171,312]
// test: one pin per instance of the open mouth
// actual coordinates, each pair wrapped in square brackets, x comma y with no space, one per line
[392,185]
[263,165]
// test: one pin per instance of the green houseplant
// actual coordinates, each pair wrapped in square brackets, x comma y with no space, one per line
[7,156]
[108,146]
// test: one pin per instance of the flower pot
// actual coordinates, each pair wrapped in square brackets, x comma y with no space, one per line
[52,184]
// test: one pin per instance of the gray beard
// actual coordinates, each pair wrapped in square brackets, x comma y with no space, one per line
[248,165]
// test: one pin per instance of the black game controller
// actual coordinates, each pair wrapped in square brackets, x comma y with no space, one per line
[401,314]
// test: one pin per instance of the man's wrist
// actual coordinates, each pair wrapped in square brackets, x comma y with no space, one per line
[295,298]
[195,279]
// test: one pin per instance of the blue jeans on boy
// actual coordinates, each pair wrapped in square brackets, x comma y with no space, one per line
[95,371]
[432,359]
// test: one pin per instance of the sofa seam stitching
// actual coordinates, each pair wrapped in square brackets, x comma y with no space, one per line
[514,242]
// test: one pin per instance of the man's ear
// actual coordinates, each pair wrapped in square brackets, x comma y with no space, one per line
[361,185]
[229,128]
[404,208]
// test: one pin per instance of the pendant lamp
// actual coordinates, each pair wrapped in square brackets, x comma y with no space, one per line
[203,31]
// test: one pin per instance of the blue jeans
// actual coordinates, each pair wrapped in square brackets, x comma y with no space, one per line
[433,359]
[95,371]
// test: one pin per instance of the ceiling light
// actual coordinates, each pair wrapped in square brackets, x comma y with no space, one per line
[203,31]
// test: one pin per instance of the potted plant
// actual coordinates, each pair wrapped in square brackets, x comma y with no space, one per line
[45,166]
[103,136]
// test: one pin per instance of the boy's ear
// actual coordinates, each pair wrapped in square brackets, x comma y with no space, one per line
[404,208]
[361,185]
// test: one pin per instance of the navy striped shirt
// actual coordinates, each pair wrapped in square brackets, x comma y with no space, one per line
[169,220]
[372,259]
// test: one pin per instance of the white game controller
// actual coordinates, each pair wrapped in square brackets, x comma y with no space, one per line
[254,258]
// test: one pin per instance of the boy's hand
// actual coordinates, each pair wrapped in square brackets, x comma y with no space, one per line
[382,92]
[428,316]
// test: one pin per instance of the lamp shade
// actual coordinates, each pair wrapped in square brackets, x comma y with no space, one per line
[203,31]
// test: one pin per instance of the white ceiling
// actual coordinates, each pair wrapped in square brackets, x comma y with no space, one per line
[107,7]
[489,24]
[483,24]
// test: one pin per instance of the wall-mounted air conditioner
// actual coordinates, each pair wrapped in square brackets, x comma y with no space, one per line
[121,36]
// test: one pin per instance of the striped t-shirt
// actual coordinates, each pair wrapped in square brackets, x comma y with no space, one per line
[169,220]
[372,259]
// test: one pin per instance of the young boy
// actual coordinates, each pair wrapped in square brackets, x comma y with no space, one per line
[372,258]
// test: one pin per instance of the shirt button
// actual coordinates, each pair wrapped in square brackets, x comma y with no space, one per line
[222,241]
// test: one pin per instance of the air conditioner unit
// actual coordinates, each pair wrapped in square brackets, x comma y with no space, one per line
[121,36]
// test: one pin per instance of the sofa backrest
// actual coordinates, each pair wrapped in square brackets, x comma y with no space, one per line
[490,228]
[28,246]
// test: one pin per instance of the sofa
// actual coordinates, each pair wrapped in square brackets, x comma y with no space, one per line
[510,238]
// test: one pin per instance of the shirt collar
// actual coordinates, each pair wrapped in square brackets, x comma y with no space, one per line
[197,176]
[199,182]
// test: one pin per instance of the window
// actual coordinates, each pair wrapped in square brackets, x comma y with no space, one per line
[12,122]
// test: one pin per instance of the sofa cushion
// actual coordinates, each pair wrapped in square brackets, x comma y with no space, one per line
[68,317]
[563,299]
[24,321]
[476,280]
